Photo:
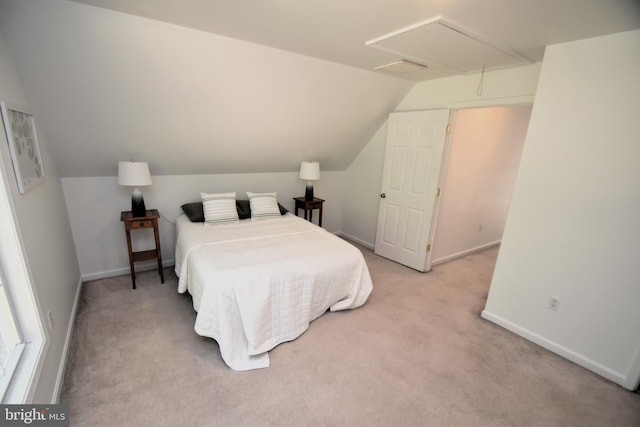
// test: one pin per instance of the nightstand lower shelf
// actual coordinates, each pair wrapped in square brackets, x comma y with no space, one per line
[145,255]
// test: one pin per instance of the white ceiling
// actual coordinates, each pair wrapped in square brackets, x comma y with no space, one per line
[337,30]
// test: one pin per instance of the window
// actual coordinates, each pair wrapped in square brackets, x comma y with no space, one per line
[24,341]
[11,344]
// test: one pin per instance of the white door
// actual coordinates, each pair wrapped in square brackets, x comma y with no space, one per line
[412,163]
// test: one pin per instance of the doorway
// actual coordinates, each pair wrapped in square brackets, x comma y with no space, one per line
[480,171]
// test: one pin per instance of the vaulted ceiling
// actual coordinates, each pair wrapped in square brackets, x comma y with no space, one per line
[339,30]
[216,86]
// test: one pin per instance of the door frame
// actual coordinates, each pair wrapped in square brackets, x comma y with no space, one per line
[454,108]
[436,206]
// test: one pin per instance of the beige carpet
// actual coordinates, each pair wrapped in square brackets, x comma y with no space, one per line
[417,354]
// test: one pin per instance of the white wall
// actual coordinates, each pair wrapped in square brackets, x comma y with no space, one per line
[364,174]
[95,204]
[45,238]
[481,168]
[573,230]
[363,179]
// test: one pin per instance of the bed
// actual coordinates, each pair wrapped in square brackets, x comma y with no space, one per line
[258,283]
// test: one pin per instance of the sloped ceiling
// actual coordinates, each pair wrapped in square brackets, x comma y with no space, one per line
[106,86]
[216,86]
[338,30]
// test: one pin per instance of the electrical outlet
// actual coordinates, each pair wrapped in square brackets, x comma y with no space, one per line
[554,303]
[50,318]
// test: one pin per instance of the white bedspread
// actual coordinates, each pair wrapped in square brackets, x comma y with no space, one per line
[256,284]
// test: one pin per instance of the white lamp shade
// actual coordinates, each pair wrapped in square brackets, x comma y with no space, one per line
[134,174]
[310,171]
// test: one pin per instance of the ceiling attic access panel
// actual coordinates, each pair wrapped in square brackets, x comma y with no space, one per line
[439,42]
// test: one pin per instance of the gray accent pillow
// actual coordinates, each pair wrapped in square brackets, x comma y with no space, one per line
[194,211]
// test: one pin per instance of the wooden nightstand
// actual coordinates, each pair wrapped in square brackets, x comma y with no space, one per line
[308,207]
[150,220]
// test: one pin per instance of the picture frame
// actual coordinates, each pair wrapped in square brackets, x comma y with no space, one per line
[20,128]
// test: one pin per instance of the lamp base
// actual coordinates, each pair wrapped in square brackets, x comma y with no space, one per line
[137,204]
[308,194]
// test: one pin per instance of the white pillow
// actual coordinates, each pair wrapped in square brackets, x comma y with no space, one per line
[263,205]
[219,207]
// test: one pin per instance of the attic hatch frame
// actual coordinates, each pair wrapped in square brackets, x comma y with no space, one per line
[474,40]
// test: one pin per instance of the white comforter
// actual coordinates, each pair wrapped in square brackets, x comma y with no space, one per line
[256,284]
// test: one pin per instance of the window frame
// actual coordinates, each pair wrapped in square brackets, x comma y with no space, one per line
[11,339]
[21,294]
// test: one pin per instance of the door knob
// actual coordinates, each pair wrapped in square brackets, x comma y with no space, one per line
[383,195]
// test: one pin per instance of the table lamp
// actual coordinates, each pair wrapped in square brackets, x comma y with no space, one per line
[311,172]
[135,174]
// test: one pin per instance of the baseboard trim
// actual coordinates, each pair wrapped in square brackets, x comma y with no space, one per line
[141,266]
[560,350]
[57,390]
[356,240]
[464,253]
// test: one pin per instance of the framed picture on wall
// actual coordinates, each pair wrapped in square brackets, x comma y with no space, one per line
[20,129]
